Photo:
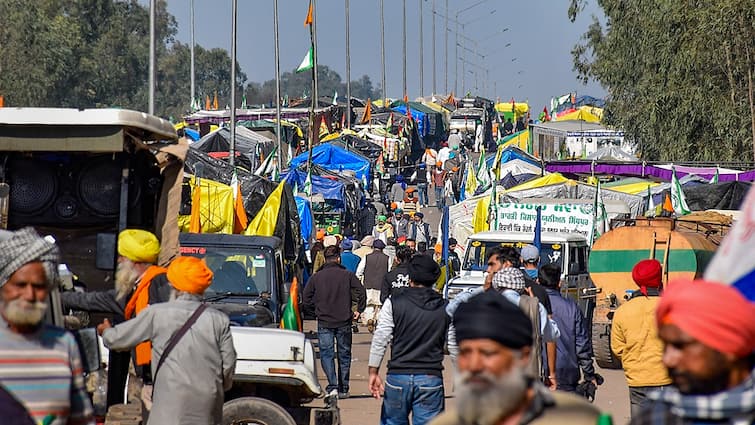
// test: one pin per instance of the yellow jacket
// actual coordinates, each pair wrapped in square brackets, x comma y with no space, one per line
[634,340]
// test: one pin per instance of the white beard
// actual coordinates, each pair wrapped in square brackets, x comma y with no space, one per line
[20,312]
[489,402]
[126,275]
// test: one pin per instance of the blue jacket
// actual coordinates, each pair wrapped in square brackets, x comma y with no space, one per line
[573,347]
[350,261]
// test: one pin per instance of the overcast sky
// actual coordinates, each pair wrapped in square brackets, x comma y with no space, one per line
[536,66]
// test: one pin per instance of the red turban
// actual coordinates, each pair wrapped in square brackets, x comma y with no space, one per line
[715,314]
[189,274]
[647,274]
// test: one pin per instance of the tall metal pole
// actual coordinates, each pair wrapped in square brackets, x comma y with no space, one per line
[232,143]
[456,59]
[382,46]
[446,57]
[278,86]
[348,69]
[435,88]
[193,87]
[152,12]
[314,51]
[421,53]
[404,61]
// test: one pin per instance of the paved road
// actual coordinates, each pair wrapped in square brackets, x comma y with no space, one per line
[361,408]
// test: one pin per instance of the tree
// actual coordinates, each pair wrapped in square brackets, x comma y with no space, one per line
[679,74]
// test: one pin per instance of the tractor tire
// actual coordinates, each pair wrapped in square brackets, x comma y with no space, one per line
[254,410]
[601,346]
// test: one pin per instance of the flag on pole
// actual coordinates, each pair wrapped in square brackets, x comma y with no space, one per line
[308,183]
[493,208]
[323,127]
[267,165]
[335,97]
[240,219]
[651,204]
[215,101]
[195,223]
[263,224]
[600,222]
[470,185]
[308,19]
[677,195]
[291,318]
[483,173]
[243,101]
[714,179]
[308,62]
[367,113]
[537,239]
[207,104]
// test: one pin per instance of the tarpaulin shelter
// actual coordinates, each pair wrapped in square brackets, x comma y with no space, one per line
[612,153]
[510,153]
[507,112]
[582,113]
[520,139]
[642,169]
[721,196]
[353,143]
[420,117]
[304,209]
[431,122]
[251,146]
[335,158]
[255,191]
[632,185]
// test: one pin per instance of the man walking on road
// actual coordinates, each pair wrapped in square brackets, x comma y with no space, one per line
[708,330]
[398,277]
[41,367]
[331,292]
[439,183]
[492,383]
[372,269]
[634,336]
[414,321]
[197,372]
[419,230]
[573,347]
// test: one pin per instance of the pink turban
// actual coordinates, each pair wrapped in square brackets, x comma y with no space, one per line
[715,314]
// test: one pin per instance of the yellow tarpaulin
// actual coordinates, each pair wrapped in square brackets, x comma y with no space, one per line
[333,136]
[480,218]
[639,188]
[521,108]
[264,222]
[520,140]
[584,113]
[547,180]
[216,208]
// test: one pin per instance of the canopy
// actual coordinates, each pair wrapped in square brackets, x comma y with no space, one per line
[662,172]
[583,113]
[335,158]
[423,124]
[510,153]
[550,179]
[612,153]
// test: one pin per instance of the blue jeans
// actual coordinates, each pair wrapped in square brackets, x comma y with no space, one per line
[440,200]
[422,395]
[422,189]
[334,341]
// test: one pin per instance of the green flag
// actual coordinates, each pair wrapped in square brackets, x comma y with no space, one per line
[308,62]
[600,222]
[677,195]
[243,101]
[291,318]
[308,183]
[714,179]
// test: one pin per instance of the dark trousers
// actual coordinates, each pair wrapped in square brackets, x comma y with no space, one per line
[335,342]
[638,398]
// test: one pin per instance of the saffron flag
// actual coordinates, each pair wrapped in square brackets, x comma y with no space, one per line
[291,318]
[667,205]
[207,104]
[240,219]
[367,113]
[677,196]
[323,127]
[308,19]
[264,222]
[195,223]
[215,101]
[308,62]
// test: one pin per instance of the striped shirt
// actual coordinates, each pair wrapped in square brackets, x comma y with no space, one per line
[43,371]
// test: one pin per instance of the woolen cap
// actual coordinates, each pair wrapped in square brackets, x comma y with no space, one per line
[423,270]
[491,316]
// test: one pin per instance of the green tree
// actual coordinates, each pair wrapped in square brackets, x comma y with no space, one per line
[679,75]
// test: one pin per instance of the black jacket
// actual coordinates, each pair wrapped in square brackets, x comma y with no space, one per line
[420,326]
[330,293]
[106,301]
[398,277]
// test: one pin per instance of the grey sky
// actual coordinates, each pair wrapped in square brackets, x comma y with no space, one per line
[536,66]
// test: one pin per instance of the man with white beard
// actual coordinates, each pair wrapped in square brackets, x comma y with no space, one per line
[138,283]
[41,363]
[492,383]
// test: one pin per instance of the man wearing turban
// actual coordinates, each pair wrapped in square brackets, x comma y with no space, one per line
[708,332]
[138,283]
[195,374]
[492,383]
[634,336]
[34,353]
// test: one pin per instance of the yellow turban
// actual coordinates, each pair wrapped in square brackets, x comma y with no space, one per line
[139,246]
[189,274]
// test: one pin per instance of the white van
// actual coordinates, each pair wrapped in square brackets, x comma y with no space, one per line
[568,251]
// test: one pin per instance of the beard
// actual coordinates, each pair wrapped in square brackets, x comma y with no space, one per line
[126,275]
[23,313]
[485,399]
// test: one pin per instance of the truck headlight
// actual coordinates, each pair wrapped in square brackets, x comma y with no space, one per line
[454,291]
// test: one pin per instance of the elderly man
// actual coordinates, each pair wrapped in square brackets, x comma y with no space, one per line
[199,369]
[492,384]
[372,270]
[634,336]
[414,382]
[41,365]
[138,283]
[708,330]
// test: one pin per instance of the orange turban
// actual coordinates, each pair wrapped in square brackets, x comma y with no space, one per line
[715,314]
[189,274]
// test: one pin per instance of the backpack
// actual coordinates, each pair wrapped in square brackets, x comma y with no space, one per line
[531,307]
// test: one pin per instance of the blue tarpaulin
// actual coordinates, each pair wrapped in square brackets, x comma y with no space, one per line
[331,190]
[335,158]
[419,117]
[512,152]
[307,225]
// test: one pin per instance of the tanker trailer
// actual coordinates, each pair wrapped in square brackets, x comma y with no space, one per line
[682,252]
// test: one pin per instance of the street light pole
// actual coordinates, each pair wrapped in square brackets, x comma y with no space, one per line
[232,142]
[348,69]
[193,92]
[152,11]
[435,88]
[382,45]
[404,61]
[421,53]
[278,87]
[446,57]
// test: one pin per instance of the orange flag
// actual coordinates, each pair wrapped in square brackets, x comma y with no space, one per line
[240,220]
[215,102]
[207,102]
[367,112]
[195,226]
[2,101]
[308,20]
[451,99]
[667,205]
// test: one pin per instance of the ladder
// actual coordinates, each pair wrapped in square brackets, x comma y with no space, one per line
[664,264]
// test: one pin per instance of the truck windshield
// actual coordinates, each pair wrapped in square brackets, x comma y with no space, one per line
[236,271]
[478,251]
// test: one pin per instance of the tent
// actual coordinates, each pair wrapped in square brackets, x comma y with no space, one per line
[335,158]
[421,117]
[250,146]
[510,153]
[721,196]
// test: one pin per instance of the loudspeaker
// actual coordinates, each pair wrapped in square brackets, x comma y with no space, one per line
[80,189]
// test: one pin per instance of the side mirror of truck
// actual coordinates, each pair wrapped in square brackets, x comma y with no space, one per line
[89,347]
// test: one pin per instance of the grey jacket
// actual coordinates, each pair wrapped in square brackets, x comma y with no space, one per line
[194,376]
